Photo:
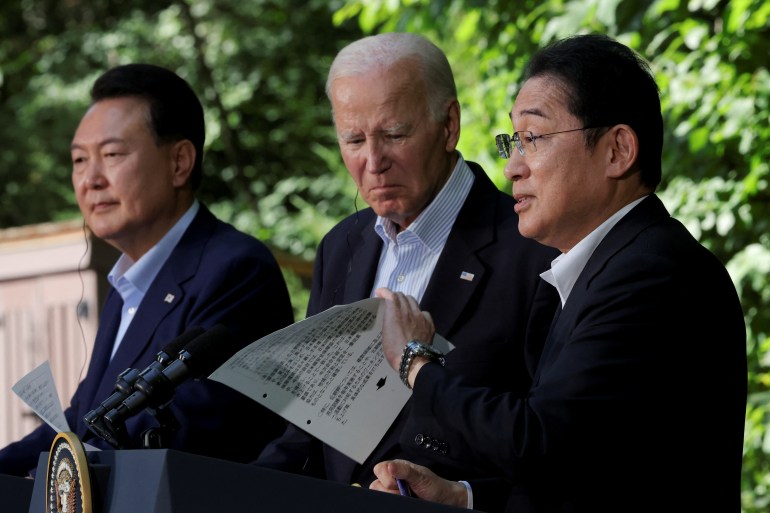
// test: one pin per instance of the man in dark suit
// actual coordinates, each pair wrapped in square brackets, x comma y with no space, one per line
[137,161]
[639,395]
[436,228]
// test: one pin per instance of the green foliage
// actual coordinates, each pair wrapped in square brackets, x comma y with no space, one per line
[710,59]
[272,165]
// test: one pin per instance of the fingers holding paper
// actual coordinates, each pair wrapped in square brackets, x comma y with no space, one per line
[402,321]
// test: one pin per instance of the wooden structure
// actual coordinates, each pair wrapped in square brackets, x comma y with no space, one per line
[52,284]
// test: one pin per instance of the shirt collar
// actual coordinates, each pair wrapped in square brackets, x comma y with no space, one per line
[433,224]
[141,273]
[566,267]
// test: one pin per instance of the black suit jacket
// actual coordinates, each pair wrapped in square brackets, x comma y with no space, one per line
[215,275]
[485,318]
[639,398]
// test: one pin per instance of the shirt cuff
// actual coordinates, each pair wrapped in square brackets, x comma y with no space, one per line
[467,486]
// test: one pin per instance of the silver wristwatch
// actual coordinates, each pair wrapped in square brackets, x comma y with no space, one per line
[414,349]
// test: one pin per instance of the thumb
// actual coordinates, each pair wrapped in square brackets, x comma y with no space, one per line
[402,469]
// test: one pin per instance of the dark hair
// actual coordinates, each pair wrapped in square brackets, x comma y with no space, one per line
[606,84]
[175,110]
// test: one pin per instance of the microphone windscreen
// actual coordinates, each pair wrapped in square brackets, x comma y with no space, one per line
[208,351]
[172,348]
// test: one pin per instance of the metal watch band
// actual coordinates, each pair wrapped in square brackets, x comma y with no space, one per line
[413,349]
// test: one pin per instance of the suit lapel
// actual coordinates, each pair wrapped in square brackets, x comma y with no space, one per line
[366,246]
[162,298]
[459,272]
[99,383]
[446,282]
[649,211]
[540,323]
[554,342]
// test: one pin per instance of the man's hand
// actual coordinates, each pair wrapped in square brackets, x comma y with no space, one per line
[402,321]
[421,480]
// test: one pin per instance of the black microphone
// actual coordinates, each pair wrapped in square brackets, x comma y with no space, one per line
[124,385]
[154,388]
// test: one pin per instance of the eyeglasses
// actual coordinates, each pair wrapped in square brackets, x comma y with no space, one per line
[525,141]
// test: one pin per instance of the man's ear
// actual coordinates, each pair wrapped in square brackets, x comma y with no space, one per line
[183,157]
[452,125]
[623,150]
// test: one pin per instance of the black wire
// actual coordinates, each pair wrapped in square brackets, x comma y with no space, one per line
[80,301]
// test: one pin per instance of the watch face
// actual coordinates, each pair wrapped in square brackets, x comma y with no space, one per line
[68,488]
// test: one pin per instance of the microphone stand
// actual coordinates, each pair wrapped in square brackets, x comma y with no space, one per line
[158,391]
[157,437]
[153,390]
[108,420]
[118,434]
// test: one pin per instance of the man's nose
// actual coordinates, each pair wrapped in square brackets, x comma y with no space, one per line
[93,176]
[515,167]
[376,160]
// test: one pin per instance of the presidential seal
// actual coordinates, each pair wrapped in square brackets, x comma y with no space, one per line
[68,484]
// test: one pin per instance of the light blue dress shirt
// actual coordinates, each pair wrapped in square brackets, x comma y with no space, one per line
[133,279]
[409,257]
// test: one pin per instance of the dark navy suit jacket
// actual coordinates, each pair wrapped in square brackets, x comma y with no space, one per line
[215,275]
[486,317]
[639,399]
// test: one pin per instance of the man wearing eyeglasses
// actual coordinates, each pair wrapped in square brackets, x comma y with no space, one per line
[639,394]
[437,229]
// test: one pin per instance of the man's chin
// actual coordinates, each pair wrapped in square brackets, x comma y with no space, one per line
[385,209]
[104,232]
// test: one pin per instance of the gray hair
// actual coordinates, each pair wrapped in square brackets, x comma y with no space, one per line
[383,50]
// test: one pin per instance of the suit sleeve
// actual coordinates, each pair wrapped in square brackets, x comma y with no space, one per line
[614,395]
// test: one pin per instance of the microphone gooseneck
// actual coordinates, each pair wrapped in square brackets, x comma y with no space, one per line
[126,382]
[154,388]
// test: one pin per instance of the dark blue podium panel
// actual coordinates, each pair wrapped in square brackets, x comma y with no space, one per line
[169,481]
[15,494]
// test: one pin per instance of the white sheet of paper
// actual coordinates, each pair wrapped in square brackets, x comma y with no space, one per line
[38,390]
[326,374]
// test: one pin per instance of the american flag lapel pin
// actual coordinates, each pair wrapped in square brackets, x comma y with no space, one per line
[466,276]
[169,298]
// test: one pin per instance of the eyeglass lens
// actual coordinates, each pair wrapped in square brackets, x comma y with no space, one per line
[503,142]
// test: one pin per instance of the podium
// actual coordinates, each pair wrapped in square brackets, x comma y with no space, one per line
[15,493]
[170,481]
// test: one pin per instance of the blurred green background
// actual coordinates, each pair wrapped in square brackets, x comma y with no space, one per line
[272,166]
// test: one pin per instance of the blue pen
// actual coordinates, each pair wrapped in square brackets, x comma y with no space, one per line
[403,488]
